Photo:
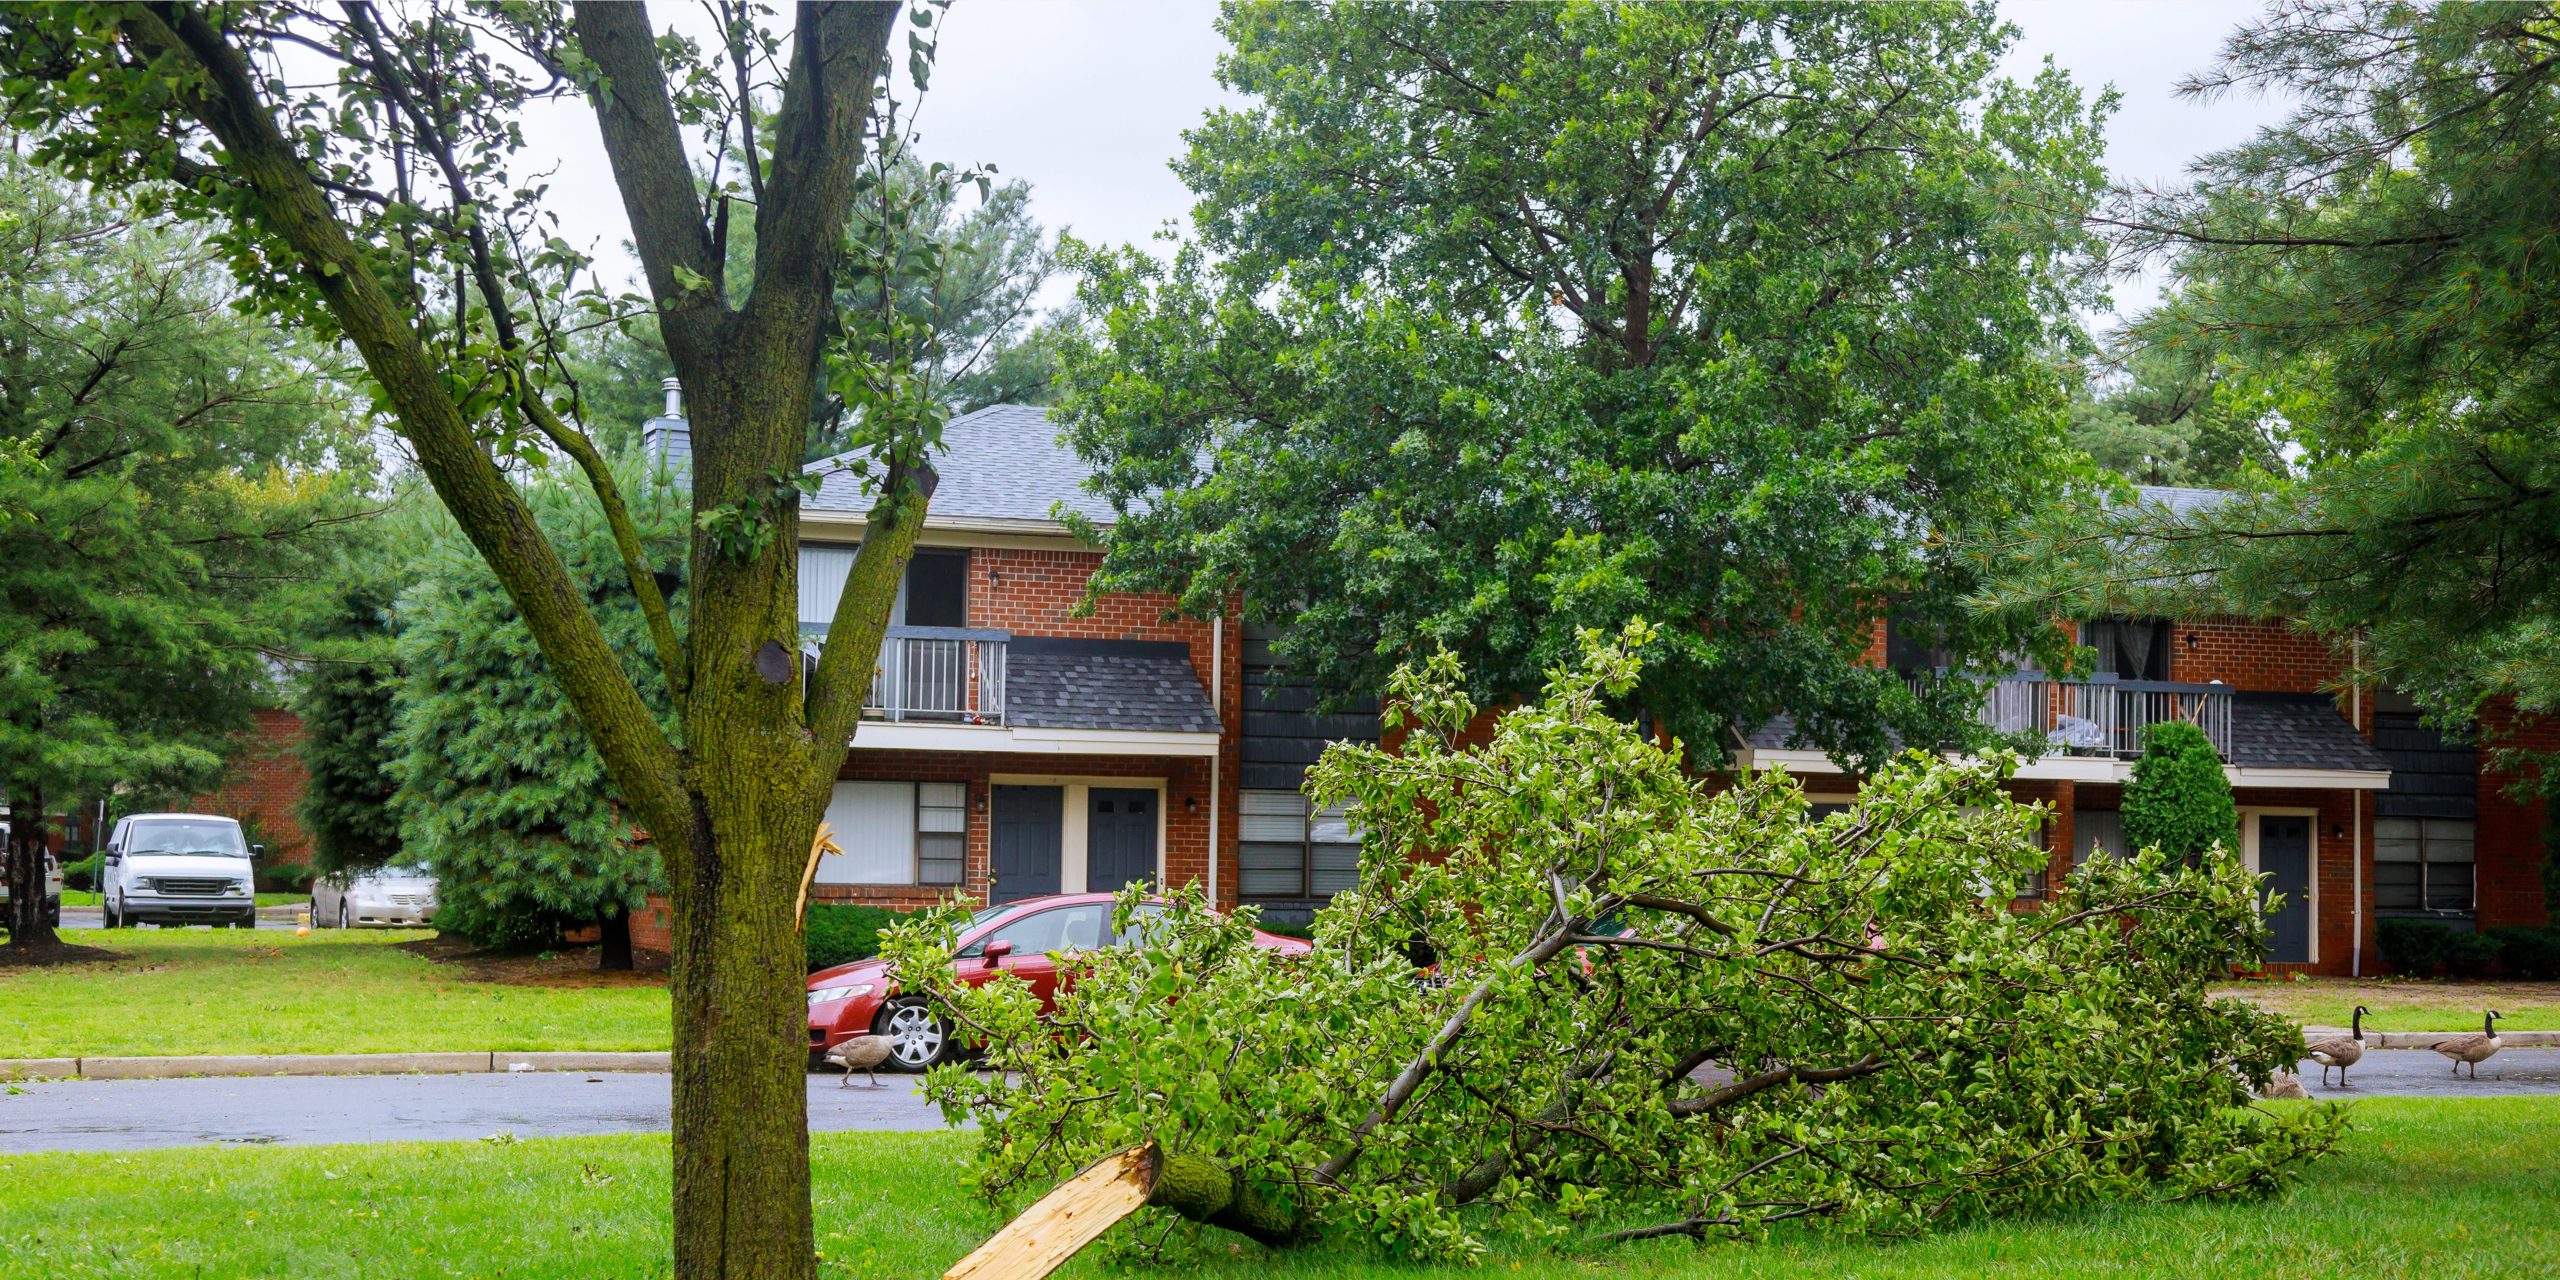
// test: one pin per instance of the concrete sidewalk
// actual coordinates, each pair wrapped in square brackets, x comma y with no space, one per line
[324,1064]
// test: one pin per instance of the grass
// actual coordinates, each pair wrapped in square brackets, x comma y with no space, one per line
[2425,1188]
[237,991]
[93,898]
[2409,1004]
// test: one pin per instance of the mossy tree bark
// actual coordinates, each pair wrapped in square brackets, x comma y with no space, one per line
[735,804]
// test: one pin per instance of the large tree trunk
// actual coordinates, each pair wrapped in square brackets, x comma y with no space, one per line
[30,926]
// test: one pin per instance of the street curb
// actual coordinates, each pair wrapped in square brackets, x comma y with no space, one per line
[325,1064]
[2427,1039]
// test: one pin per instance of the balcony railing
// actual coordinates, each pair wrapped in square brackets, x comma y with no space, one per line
[2101,717]
[953,674]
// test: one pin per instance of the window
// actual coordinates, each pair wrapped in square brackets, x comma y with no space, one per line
[1291,850]
[2129,648]
[942,831]
[2099,831]
[897,833]
[2422,864]
[1067,929]
[935,594]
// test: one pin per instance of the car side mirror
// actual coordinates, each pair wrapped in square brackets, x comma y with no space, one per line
[996,951]
[257,853]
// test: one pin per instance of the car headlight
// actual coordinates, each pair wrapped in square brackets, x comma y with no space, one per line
[829,995]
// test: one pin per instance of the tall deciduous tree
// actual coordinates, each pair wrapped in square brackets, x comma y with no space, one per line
[378,199]
[164,495]
[1505,320]
[2383,256]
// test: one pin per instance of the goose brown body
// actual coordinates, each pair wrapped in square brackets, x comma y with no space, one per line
[2474,1048]
[863,1054]
[2340,1052]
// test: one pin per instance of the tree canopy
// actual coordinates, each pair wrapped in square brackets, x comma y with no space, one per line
[1506,320]
[171,473]
[2377,261]
[2179,800]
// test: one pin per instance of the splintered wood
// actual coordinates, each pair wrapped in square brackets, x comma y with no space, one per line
[818,848]
[1065,1220]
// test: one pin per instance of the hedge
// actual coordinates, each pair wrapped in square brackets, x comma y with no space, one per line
[842,934]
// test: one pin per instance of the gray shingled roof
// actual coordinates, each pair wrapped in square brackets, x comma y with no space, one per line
[2182,502]
[1104,684]
[2268,731]
[2297,731]
[1004,462]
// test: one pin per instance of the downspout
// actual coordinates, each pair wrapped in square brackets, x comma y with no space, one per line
[2355,869]
[1217,758]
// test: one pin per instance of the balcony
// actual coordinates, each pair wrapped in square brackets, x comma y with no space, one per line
[954,675]
[2101,717]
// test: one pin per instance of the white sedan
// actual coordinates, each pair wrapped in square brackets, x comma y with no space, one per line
[394,897]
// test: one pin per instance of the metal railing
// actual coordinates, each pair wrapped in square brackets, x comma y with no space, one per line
[2100,717]
[952,674]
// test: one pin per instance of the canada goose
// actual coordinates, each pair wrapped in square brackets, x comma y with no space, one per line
[2475,1048]
[2285,1084]
[863,1054]
[2341,1052]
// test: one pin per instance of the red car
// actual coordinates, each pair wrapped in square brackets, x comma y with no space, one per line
[1023,938]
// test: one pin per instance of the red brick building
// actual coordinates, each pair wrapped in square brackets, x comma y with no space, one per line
[1012,748]
[263,785]
[2354,809]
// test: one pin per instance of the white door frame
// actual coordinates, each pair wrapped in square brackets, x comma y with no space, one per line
[2249,815]
[1074,848]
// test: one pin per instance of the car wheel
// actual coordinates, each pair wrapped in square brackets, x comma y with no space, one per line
[917,1039]
[314,914]
[107,914]
[342,915]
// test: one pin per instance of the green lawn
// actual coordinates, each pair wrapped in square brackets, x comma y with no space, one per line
[2424,1190]
[2406,1004]
[238,991]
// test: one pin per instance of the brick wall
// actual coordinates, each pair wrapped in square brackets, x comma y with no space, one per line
[2267,657]
[2509,841]
[263,786]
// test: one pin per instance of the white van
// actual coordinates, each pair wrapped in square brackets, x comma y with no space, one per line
[179,868]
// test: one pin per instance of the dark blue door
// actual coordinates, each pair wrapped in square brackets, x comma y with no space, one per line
[2284,863]
[1120,839]
[1025,838]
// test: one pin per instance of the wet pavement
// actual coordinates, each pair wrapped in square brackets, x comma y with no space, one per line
[123,1115]
[2423,1073]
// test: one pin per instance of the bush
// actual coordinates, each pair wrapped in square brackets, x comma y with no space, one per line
[2413,948]
[291,877]
[841,935]
[2527,952]
[2179,800]
[2468,955]
[83,874]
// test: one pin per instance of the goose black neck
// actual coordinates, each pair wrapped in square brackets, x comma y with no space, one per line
[2355,1024]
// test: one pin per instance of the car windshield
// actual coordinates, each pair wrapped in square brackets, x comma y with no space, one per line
[207,838]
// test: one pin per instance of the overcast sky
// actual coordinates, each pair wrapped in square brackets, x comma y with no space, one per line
[1087,101]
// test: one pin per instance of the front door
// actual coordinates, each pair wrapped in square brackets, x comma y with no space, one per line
[1120,839]
[2284,862]
[1028,834]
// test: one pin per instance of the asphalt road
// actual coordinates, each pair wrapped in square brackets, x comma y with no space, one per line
[117,1115]
[2424,1073]
[94,918]
[124,1115]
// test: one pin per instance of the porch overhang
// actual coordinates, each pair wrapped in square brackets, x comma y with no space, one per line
[920,735]
[2100,771]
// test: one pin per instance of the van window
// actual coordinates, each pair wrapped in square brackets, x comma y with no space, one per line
[201,837]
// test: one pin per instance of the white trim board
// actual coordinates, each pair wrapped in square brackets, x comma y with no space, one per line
[917,735]
[2101,770]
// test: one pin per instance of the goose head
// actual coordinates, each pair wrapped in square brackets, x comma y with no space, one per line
[2355,1024]
[2489,1024]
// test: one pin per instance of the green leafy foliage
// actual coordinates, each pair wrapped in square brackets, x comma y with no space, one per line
[1896,1047]
[170,485]
[495,784]
[1508,320]
[2527,952]
[2413,947]
[2179,800]
[2378,263]
[840,934]
[2468,954]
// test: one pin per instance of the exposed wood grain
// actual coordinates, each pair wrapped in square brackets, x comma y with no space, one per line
[818,848]
[1048,1233]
